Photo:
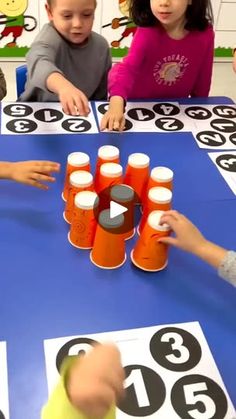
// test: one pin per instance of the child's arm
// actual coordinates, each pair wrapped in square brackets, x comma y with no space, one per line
[121,79]
[114,119]
[234,59]
[189,238]
[44,73]
[73,100]
[32,173]
[90,386]
[3,86]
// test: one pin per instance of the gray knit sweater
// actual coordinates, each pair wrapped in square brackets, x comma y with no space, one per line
[84,66]
[227,269]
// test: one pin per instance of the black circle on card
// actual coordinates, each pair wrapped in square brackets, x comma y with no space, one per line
[197,396]
[77,125]
[17,110]
[175,349]
[65,349]
[141,114]
[198,112]
[21,126]
[48,115]
[167,109]
[225,111]
[227,162]
[103,108]
[2,415]
[128,125]
[211,138]
[169,124]
[223,125]
[232,138]
[145,391]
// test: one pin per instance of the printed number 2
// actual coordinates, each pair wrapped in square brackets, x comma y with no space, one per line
[192,398]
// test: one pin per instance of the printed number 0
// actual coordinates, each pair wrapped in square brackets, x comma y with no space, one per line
[191,397]
[176,346]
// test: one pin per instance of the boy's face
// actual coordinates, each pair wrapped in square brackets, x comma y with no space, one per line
[73,19]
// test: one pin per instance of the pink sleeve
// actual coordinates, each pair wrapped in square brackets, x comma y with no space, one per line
[203,84]
[122,75]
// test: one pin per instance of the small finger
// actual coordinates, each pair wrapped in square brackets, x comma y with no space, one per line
[103,124]
[37,184]
[44,177]
[168,240]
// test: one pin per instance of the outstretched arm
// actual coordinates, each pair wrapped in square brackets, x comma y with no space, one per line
[189,238]
[90,386]
[33,173]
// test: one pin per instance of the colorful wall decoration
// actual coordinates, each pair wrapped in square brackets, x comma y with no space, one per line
[21,20]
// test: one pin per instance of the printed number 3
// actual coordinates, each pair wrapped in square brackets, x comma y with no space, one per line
[177,345]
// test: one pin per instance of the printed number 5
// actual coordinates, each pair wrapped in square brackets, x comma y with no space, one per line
[192,398]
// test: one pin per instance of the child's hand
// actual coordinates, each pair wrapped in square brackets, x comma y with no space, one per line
[114,119]
[234,61]
[33,172]
[73,101]
[95,381]
[188,237]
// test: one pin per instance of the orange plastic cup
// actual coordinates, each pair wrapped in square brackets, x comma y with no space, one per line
[75,161]
[109,246]
[80,180]
[160,176]
[159,198]
[83,224]
[149,254]
[124,195]
[110,174]
[106,154]
[137,173]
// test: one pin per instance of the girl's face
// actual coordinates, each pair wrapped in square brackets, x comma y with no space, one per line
[170,13]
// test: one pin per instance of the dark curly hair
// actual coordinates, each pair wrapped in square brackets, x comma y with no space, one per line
[198,14]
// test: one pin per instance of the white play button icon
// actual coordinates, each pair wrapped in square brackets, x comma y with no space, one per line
[116,209]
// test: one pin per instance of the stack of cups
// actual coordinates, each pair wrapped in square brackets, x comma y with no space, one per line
[83,224]
[75,161]
[79,180]
[108,250]
[160,176]
[106,154]
[149,254]
[110,174]
[137,173]
[159,198]
[124,195]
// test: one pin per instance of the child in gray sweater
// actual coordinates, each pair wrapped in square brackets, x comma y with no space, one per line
[189,238]
[68,61]
[3,87]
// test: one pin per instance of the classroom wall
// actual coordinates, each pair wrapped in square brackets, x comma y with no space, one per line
[110,22]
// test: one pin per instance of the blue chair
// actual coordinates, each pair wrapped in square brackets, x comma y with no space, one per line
[21,76]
